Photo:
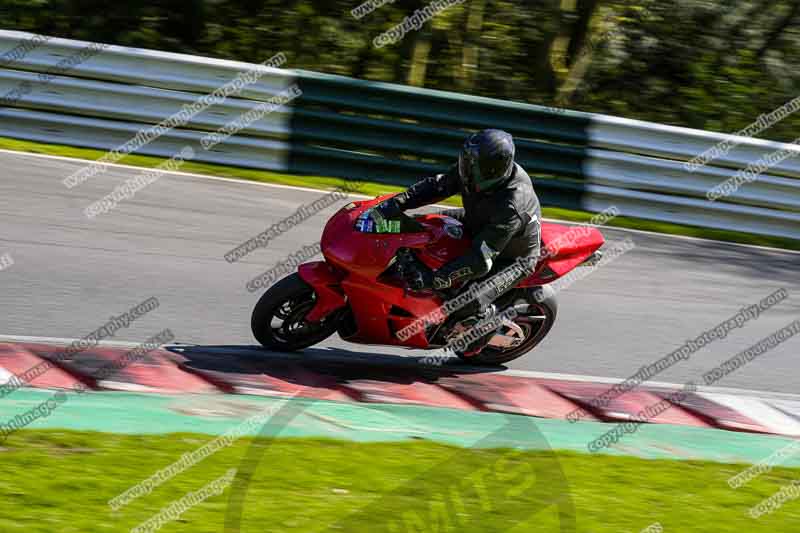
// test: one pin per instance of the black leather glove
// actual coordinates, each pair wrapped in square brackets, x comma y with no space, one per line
[458,214]
[389,209]
[419,280]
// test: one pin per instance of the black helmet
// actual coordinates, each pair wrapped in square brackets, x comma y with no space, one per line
[486,159]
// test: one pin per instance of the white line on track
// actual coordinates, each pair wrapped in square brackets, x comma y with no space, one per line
[520,373]
[174,172]
[308,189]
[63,341]
[659,384]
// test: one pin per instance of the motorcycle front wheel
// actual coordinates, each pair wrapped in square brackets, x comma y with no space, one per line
[278,320]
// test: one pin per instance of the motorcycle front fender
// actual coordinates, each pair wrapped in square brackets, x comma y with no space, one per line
[326,282]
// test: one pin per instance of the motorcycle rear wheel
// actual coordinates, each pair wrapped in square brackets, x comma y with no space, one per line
[536,323]
[288,302]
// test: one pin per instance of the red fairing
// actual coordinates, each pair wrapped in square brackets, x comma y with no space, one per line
[327,284]
[352,273]
[563,249]
[368,254]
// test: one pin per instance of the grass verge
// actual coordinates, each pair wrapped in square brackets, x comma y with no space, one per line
[57,480]
[374,189]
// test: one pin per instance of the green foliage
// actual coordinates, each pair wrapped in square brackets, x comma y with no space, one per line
[705,64]
[698,64]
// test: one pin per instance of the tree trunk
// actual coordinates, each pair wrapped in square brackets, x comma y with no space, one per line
[581,57]
[419,57]
[470,54]
[585,11]
[778,30]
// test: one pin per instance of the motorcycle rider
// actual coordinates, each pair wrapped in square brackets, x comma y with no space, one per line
[501,213]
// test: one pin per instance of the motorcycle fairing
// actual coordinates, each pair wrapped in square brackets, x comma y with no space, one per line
[327,285]
[355,261]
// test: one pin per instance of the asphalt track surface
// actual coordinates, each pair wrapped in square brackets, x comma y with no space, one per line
[70,274]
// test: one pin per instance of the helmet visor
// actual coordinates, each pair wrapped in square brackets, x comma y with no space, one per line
[469,169]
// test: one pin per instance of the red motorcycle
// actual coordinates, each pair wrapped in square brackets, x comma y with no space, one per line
[360,289]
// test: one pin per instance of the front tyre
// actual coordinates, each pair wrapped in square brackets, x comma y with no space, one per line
[278,320]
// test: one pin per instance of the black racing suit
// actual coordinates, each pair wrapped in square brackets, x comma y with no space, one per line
[504,222]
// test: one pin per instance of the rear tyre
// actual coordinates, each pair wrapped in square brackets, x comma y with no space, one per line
[536,324]
[278,320]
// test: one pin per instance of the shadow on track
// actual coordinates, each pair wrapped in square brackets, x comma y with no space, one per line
[252,365]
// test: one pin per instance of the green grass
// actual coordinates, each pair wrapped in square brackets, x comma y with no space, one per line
[56,480]
[374,189]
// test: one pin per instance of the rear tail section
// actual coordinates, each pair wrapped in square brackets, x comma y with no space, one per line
[563,249]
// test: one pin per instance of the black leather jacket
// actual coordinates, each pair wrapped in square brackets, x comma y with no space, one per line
[503,222]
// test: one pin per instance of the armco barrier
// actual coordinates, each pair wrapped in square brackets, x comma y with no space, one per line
[391,133]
